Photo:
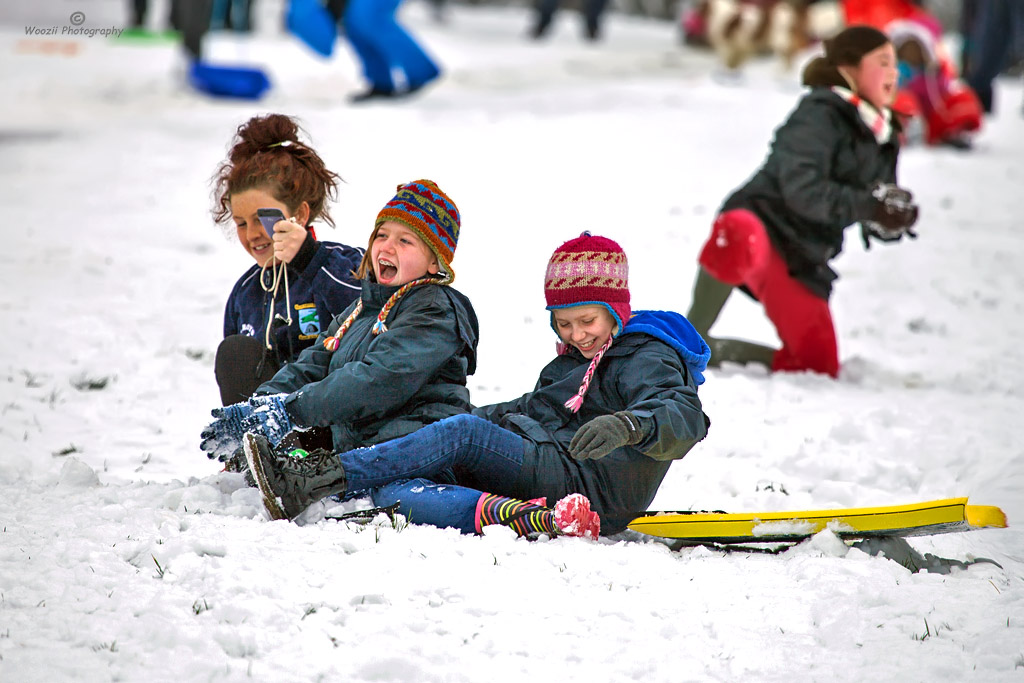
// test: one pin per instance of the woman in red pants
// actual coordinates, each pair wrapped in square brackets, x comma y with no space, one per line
[832,164]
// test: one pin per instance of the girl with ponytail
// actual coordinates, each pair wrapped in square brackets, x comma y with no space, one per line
[298,283]
[832,164]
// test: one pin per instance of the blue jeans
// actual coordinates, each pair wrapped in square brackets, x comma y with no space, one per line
[384,47]
[425,502]
[480,454]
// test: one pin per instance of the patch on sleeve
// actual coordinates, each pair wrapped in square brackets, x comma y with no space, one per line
[309,321]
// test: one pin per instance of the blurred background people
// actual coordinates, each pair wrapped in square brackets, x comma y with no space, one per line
[996,35]
[592,11]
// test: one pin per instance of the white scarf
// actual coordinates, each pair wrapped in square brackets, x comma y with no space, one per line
[878,122]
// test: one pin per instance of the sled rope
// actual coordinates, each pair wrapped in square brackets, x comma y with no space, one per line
[279,274]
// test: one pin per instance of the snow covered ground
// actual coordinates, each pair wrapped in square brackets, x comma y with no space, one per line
[125,555]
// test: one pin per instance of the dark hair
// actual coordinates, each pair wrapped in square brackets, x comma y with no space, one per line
[266,153]
[847,48]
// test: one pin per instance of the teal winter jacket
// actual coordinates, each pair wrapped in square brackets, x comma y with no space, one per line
[375,388]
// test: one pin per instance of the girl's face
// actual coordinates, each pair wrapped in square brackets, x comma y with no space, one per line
[398,255]
[876,77]
[250,231]
[585,327]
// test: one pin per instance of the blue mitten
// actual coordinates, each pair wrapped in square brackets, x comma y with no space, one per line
[269,417]
[222,437]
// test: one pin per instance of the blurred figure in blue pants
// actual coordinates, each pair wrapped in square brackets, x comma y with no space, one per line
[393,63]
[998,28]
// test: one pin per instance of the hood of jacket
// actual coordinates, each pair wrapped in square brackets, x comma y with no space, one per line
[676,331]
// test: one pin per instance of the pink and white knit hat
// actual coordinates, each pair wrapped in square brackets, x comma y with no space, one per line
[589,270]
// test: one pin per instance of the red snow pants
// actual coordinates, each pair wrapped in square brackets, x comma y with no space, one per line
[739,252]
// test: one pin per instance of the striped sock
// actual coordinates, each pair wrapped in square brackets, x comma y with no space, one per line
[524,517]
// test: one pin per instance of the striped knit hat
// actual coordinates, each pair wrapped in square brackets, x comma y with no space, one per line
[424,208]
[589,270]
[430,213]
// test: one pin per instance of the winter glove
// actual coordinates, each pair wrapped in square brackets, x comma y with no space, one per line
[262,414]
[895,210]
[894,214]
[602,435]
[269,417]
[870,230]
[223,436]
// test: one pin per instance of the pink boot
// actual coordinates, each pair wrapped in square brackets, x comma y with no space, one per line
[573,517]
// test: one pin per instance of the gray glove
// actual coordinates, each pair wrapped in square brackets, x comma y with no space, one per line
[604,434]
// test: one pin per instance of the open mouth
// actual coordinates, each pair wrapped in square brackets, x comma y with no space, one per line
[586,346]
[386,270]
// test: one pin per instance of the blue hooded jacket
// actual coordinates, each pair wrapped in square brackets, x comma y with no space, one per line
[676,331]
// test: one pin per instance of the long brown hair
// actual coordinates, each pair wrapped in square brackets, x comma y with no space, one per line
[266,153]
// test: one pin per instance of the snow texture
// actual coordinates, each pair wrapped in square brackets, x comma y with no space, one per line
[126,555]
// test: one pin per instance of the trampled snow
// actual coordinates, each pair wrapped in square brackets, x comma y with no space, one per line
[126,555]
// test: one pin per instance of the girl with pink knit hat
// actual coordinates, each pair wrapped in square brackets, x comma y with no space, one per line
[596,436]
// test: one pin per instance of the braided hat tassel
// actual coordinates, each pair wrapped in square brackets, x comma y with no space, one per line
[576,401]
[331,343]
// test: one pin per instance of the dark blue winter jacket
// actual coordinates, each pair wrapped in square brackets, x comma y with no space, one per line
[652,369]
[320,285]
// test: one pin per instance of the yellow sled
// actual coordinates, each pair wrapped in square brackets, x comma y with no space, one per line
[918,519]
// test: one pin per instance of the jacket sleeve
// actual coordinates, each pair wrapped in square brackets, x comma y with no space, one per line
[495,411]
[232,322]
[330,275]
[656,385]
[805,148]
[310,366]
[420,340]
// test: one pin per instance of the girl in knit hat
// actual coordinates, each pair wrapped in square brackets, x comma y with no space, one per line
[832,164]
[596,436]
[393,361]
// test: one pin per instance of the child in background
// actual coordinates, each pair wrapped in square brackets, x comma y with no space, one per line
[298,283]
[395,360]
[832,164]
[929,86]
[393,62]
[597,434]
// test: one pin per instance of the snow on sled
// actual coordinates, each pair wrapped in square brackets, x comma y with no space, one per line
[918,519]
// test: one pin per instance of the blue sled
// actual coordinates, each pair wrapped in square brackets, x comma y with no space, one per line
[228,81]
[311,23]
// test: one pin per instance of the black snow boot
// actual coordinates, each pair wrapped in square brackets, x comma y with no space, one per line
[291,483]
